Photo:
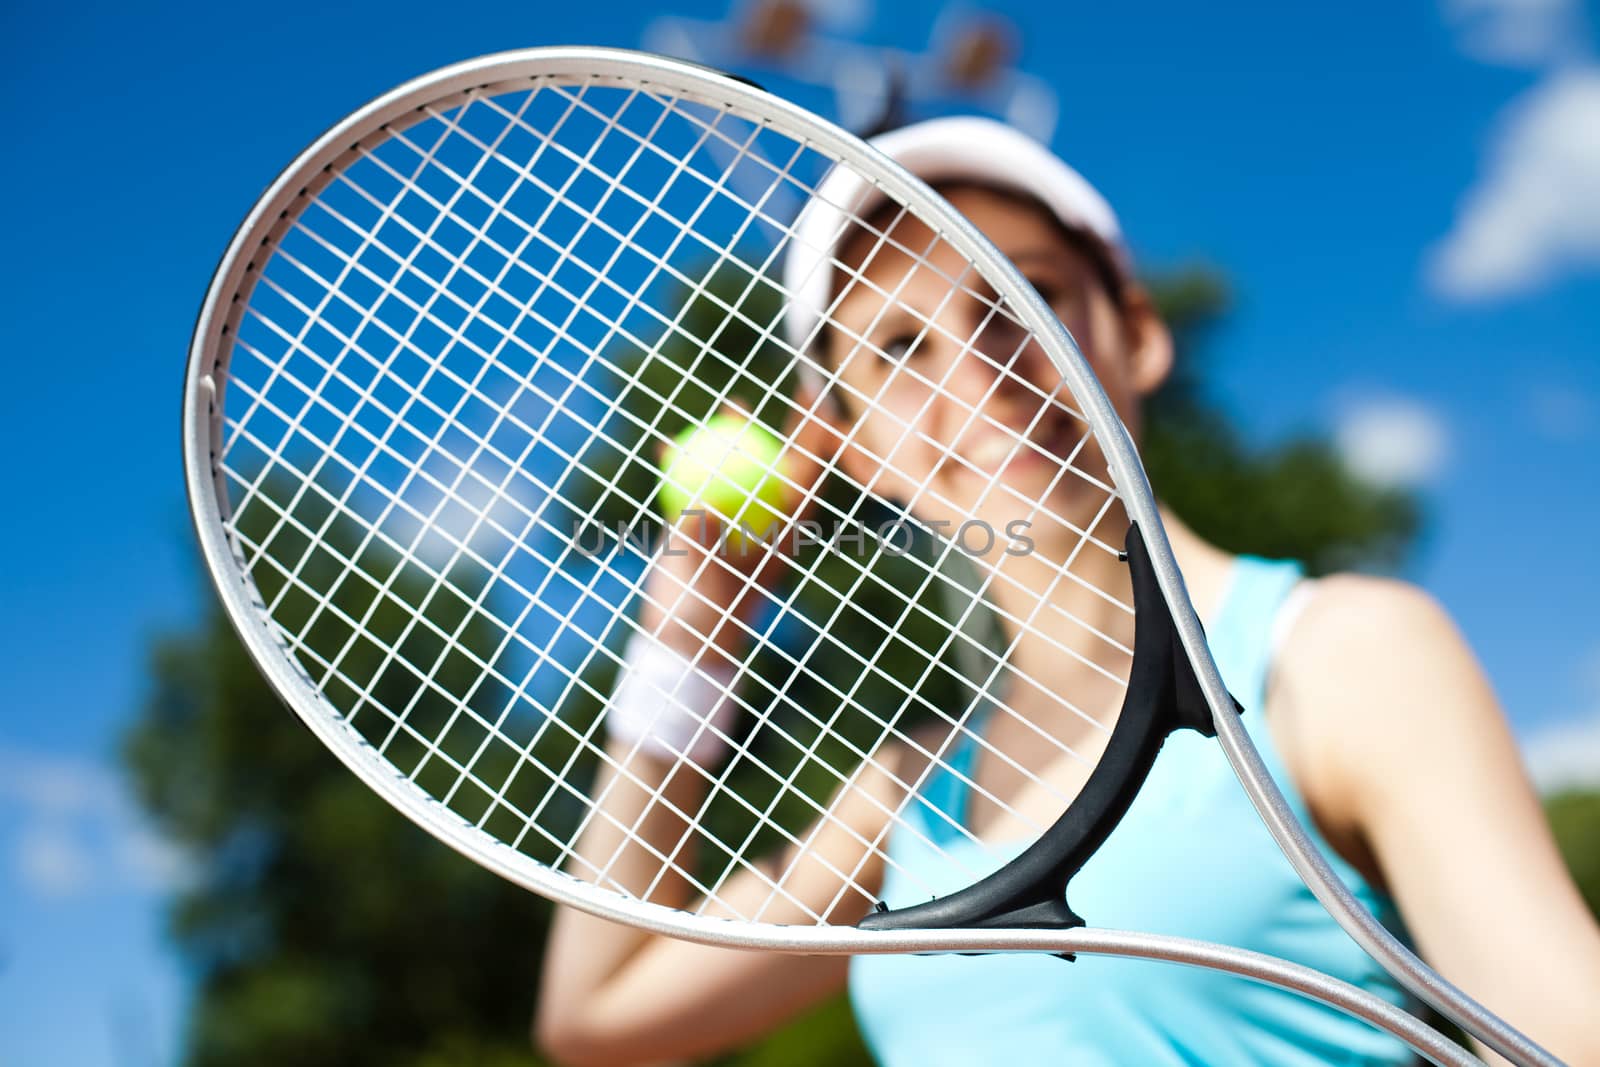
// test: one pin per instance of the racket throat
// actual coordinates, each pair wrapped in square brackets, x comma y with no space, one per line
[1030,892]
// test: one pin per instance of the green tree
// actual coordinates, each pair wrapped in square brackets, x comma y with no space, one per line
[325,928]
[1575,819]
[1288,500]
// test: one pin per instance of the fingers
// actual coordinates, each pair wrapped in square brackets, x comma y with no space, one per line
[701,580]
[805,450]
[811,440]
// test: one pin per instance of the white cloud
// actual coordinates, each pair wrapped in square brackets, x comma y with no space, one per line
[79,830]
[52,862]
[1566,754]
[1392,442]
[1534,210]
[1589,676]
[1519,33]
[54,787]
[150,861]
[841,16]
[485,510]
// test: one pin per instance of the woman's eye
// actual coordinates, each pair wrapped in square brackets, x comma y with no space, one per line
[896,349]
[1066,301]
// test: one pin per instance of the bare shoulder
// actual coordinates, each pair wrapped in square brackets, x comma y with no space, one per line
[1411,772]
[1350,607]
[1363,634]
[1373,676]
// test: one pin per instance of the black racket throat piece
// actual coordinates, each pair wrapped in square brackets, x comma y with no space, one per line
[1163,695]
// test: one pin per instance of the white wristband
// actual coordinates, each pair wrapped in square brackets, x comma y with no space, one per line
[668,707]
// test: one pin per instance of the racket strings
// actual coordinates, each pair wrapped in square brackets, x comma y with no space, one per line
[452,791]
[997,752]
[698,290]
[400,487]
[974,410]
[531,596]
[565,846]
[881,236]
[429,684]
[534,596]
[643,506]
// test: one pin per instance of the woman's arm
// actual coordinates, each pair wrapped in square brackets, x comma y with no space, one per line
[612,994]
[1400,747]
[616,995]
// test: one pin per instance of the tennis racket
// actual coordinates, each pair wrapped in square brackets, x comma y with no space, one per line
[428,398]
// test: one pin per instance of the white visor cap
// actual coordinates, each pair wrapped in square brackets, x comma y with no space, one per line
[959,148]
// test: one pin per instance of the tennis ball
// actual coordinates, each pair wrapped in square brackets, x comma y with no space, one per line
[727,465]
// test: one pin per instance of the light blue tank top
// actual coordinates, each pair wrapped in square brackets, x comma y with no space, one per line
[1190,858]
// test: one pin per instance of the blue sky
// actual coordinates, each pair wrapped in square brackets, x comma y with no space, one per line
[1406,198]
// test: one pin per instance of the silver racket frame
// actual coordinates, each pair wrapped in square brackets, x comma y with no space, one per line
[209,351]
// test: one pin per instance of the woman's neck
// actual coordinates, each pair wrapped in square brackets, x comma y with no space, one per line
[1068,611]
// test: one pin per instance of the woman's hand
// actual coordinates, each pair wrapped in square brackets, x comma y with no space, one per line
[614,994]
[702,591]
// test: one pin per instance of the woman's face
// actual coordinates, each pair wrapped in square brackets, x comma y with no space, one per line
[961,408]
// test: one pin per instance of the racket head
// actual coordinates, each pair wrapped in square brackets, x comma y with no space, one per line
[223,496]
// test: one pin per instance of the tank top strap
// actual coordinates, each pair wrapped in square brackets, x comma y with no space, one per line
[945,791]
[1243,633]
[1245,636]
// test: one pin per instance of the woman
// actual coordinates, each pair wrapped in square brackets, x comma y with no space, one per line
[1403,765]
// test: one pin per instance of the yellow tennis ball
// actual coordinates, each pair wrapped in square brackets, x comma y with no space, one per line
[729,466]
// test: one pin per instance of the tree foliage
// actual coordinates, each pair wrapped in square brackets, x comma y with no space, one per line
[1575,820]
[325,928]
[1289,500]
